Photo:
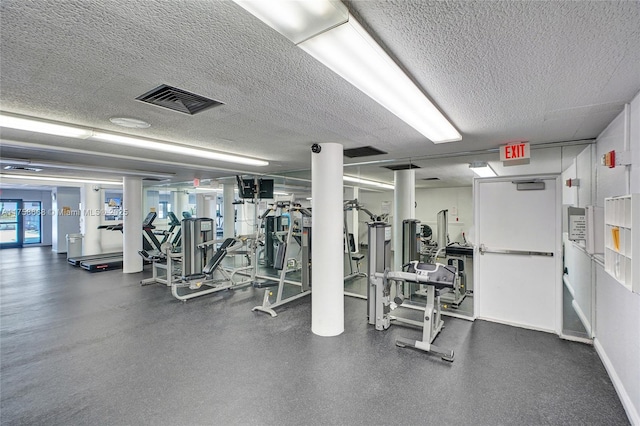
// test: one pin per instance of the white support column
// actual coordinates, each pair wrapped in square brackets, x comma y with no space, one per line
[202,206]
[132,231]
[327,298]
[92,206]
[246,216]
[404,207]
[229,211]
[182,200]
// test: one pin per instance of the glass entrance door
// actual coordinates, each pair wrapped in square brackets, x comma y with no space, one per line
[32,212]
[10,223]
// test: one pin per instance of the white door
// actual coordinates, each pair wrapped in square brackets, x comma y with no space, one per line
[518,252]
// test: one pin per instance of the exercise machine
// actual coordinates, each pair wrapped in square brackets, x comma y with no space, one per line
[453,254]
[353,257]
[198,267]
[436,278]
[95,263]
[350,248]
[297,233]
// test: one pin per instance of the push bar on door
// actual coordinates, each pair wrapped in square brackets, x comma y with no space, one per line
[483,249]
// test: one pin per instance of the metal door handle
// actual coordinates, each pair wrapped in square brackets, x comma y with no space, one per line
[483,249]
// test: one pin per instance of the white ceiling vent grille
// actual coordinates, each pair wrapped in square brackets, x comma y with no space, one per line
[178,100]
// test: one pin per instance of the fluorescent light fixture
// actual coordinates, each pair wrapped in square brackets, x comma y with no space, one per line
[347,49]
[367,182]
[298,20]
[280,193]
[482,169]
[175,149]
[38,126]
[207,190]
[66,166]
[28,124]
[16,162]
[61,179]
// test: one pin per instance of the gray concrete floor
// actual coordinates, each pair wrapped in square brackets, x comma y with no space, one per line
[99,349]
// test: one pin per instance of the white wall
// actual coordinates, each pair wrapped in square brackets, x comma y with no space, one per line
[30,195]
[429,203]
[617,323]
[634,128]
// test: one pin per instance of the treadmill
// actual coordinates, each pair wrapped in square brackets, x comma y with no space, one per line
[107,261]
[102,263]
[75,261]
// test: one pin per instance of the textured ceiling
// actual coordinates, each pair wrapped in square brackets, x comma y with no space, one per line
[539,71]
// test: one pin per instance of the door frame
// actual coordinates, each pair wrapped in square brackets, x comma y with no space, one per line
[477,290]
[18,222]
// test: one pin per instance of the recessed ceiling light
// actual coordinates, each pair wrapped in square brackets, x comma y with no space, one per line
[131,123]
[482,169]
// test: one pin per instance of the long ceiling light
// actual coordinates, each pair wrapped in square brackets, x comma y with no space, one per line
[367,182]
[60,129]
[175,149]
[67,166]
[39,126]
[60,179]
[482,169]
[326,30]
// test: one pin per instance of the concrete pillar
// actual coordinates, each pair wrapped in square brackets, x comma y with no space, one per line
[150,201]
[206,207]
[229,211]
[90,217]
[182,200]
[202,206]
[327,297]
[404,207]
[132,231]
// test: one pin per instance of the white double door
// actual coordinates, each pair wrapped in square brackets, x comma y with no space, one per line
[518,265]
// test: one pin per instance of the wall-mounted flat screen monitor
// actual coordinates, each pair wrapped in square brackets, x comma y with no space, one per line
[249,188]
[265,188]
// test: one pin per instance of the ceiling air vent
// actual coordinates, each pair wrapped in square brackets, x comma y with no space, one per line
[178,100]
[402,167]
[363,151]
[431,178]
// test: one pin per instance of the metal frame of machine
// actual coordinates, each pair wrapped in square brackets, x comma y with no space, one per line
[437,280]
[303,221]
[195,267]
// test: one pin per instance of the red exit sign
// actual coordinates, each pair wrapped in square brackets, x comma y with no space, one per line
[515,151]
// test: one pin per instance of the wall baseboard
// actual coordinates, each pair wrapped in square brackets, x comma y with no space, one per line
[632,412]
[582,316]
[515,324]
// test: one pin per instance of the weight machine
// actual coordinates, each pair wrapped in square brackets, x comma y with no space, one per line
[352,256]
[298,232]
[197,267]
[432,251]
[436,278]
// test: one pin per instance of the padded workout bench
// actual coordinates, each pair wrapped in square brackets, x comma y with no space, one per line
[438,279]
